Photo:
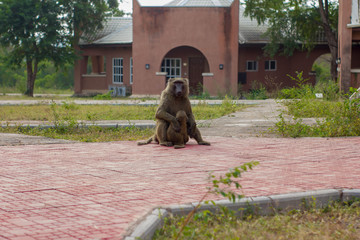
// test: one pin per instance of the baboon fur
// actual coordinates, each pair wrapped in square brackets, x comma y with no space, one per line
[174,98]
[179,138]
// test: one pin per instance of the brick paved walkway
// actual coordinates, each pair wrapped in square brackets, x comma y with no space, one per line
[97,190]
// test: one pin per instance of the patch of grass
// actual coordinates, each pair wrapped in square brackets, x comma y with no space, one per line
[85,134]
[335,221]
[333,119]
[335,115]
[66,118]
[106,112]
[312,108]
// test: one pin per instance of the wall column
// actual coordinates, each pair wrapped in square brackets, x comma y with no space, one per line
[344,45]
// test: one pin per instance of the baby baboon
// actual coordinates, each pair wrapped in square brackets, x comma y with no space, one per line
[179,138]
[174,99]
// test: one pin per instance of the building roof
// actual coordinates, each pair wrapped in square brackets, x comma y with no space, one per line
[199,3]
[249,30]
[119,30]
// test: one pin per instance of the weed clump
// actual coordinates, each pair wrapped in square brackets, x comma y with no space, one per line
[335,115]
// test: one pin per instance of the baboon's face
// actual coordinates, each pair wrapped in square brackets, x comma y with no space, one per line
[179,89]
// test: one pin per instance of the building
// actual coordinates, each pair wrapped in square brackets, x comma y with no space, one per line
[349,44]
[208,41]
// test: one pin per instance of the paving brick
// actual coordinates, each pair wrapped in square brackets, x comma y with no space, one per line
[98,190]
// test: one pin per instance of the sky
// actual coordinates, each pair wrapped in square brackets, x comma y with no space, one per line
[126,5]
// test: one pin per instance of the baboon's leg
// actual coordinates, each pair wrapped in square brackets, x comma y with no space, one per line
[177,146]
[197,136]
[146,141]
[161,133]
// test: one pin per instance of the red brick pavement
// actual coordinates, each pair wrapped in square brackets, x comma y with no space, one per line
[97,190]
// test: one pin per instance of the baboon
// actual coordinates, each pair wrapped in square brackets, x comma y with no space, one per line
[174,98]
[178,138]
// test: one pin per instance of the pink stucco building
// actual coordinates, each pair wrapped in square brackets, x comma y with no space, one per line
[349,44]
[208,41]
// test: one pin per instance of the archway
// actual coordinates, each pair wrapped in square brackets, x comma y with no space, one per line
[322,68]
[187,62]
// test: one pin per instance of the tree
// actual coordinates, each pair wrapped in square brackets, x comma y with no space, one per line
[297,24]
[37,30]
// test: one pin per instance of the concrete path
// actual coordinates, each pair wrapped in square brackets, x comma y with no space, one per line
[100,190]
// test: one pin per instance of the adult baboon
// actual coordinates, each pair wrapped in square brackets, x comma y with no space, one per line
[174,98]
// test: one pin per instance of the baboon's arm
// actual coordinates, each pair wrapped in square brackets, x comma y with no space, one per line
[163,115]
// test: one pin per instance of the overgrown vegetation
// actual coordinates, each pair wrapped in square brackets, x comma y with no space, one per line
[227,186]
[68,119]
[335,115]
[85,134]
[106,112]
[334,221]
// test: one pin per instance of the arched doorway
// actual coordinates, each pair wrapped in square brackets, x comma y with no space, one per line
[322,68]
[187,62]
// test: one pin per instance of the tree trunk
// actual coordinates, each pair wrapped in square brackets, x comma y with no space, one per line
[331,37]
[31,76]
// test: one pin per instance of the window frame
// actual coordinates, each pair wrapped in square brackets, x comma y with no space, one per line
[256,65]
[269,65]
[131,71]
[172,67]
[118,75]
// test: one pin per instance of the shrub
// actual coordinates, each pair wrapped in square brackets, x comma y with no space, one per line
[257,91]
[301,90]
[341,119]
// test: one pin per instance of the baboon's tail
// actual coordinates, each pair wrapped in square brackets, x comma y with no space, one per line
[146,141]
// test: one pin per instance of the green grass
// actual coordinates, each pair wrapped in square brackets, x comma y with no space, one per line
[89,134]
[313,108]
[36,91]
[104,112]
[333,119]
[65,117]
[335,221]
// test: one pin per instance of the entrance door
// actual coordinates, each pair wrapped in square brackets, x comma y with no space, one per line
[196,68]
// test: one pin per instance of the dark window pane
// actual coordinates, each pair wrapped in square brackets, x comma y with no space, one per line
[273,65]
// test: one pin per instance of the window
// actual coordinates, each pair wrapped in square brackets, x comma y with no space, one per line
[251,65]
[270,65]
[131,70]
[118,70]
[172,66]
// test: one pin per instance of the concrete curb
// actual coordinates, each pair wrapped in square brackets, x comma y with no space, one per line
[261,205]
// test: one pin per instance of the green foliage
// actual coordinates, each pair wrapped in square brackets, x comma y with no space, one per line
[335,220]
[66,126]
[322,71]
[291,22]
[109,112]
[337,119]
[301,90]
[334,116]
[329,89]
[223,185]
[257,91]
[228,106]
[105,96]
[34,31]
[48,77]
[85,134]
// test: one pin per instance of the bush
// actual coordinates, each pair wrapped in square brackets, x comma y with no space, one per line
[301,90]
[328,88]
[339,119]
[257,92]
